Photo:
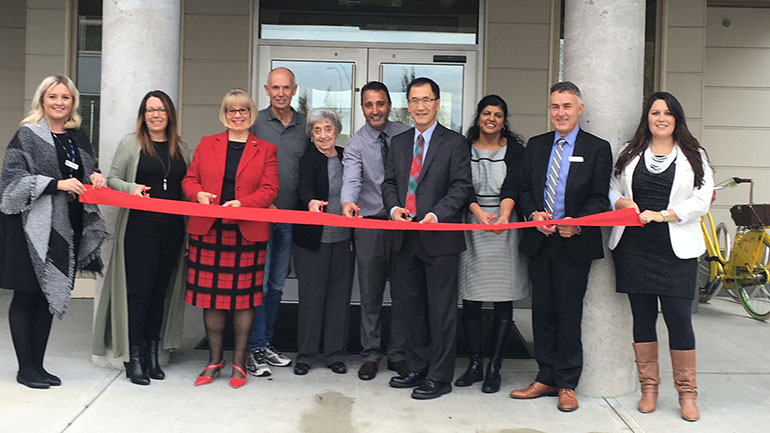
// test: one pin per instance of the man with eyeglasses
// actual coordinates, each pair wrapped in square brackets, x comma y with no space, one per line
[427,180]
[280,125]
[361,196]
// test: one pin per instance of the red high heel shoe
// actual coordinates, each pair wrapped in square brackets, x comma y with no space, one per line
[205,380]
[238,382]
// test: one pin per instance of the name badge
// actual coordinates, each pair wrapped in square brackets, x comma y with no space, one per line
[576,158]
[71,164]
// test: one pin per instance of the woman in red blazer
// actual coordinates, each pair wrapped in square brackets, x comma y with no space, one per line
[226,257]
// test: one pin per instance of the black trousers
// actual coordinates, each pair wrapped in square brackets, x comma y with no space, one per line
[424,291]
[151,255]
[325,280]
[558,287]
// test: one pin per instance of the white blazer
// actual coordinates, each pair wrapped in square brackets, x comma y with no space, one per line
[688,202]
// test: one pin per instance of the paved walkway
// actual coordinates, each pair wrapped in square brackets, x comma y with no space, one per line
[733,376]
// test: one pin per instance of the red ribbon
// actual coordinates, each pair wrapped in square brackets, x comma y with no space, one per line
[109,197]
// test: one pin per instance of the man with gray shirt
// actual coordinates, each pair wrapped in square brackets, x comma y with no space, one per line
[280,125]
[361,196]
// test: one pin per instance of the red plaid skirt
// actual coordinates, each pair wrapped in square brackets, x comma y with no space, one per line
[224,270]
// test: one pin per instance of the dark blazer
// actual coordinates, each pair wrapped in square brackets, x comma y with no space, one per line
[585,193]
[256,181]
[443,187]
[313,184]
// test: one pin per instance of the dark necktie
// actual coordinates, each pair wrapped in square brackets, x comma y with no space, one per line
[383,146]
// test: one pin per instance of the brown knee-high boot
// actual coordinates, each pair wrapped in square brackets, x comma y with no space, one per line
[683,364]
[649,377]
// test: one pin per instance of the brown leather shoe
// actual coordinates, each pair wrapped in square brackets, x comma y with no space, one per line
[399,367]
[368,370]
[535,390]
[567,400]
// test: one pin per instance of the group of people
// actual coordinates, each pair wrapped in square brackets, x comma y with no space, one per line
[280,158]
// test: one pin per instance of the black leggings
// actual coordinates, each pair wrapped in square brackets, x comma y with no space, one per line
[30,323]
[677,312]
[472,310]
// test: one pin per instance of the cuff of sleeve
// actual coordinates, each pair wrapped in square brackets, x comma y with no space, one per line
[682,215]
[51,188]
[434,216]
[613,199]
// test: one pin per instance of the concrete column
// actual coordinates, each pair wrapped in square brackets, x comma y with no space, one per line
[140,52]
[604,56]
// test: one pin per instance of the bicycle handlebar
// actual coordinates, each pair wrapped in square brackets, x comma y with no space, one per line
[742,180]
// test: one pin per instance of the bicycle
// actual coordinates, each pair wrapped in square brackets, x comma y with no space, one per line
[742,267]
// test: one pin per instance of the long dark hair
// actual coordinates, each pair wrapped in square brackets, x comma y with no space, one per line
[143,134]
[682,136]
[474,131]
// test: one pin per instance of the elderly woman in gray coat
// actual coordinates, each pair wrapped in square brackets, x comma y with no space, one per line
[48,235]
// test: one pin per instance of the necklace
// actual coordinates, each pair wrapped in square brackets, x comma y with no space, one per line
[166,170]
[236,145]
[69,151]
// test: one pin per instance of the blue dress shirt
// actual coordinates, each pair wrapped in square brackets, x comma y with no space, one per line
[561,183]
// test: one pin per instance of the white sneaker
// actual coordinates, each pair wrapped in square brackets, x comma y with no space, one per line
[276,358]
[256,364]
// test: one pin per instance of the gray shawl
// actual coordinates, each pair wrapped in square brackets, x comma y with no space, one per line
[29,165]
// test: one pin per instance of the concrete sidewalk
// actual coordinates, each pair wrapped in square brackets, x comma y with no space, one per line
[733,379]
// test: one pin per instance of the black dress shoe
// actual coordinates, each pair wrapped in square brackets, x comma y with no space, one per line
[52,380]
[36,382]
[338,367]
[399,367]
[368,370]
[431,389]
[412,379]
[301,369]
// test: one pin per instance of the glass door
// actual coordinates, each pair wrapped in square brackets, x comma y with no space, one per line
[453,71]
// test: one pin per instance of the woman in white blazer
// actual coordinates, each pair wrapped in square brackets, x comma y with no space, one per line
[663,173]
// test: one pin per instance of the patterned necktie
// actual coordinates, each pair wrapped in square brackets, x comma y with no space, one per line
[383,146]
[410,204]
[553,176]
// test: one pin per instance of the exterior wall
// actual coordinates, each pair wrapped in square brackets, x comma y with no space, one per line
[48,39]
[12,32]
[736,124]
[215,58]
[517,56]
[684,41]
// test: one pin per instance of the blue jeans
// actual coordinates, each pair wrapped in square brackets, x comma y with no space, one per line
[277,259]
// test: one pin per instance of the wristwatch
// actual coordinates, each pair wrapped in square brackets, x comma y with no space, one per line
[664,214]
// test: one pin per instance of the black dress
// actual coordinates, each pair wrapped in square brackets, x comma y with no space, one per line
[645,262]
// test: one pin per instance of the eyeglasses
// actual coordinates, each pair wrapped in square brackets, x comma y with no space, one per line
[424,101]
[241,111]
[153,111]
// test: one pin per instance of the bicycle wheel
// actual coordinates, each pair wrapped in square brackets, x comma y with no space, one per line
[756,299]
[707,288]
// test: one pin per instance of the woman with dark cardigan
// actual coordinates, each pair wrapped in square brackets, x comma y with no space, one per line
[324,254]
[491,269]
[48,234]
[226,259]
[147,250]
[663,173]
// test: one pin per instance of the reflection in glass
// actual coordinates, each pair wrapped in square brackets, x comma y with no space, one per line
[324,85]
[450,82]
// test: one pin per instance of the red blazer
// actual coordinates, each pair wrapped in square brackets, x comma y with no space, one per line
[256,181]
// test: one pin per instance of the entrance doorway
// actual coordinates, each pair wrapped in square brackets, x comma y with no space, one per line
[333,77]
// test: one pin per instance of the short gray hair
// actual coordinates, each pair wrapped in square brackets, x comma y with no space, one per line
[568,86]
[318,114]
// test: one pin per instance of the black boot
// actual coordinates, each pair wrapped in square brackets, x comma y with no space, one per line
[502,331]
[134,368]
[474,331]
[151,360]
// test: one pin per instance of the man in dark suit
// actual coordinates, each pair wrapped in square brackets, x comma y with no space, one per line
[565,173]
[427,180]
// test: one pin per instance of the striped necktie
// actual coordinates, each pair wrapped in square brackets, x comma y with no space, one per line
[410,204]
[553,176]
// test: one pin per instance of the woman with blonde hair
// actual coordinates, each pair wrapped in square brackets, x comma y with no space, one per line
[48,234]
[227,257]
[147,252]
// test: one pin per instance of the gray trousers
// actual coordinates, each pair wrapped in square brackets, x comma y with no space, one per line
[325,279]
[373,259]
